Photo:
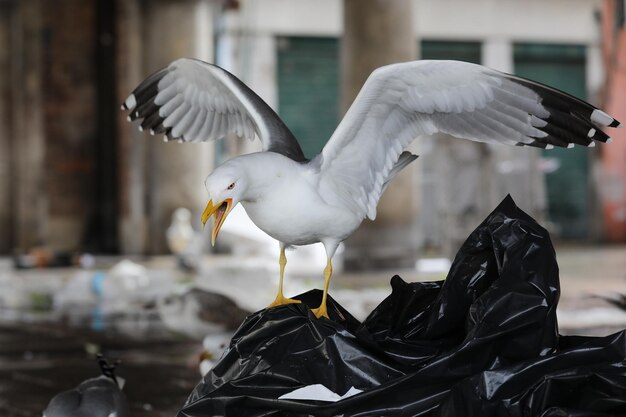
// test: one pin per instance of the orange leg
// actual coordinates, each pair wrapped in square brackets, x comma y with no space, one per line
[328,272]
[280,298]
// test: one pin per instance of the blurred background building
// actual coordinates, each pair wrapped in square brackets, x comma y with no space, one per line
[76,176]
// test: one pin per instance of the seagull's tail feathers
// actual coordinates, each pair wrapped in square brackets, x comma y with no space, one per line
[404,159]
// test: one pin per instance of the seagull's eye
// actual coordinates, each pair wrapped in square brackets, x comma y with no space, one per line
[231,186]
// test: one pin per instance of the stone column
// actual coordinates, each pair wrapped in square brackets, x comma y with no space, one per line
[132,213]
[175,172]
[28,196]
[6,212]
[376,33]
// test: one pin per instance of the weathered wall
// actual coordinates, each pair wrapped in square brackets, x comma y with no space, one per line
[612,175]
[53,171]
[69,100]
[47,123]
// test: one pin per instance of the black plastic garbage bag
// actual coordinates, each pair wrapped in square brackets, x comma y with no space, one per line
[484,342]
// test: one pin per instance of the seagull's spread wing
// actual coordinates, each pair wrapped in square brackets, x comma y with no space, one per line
[401,102]
[192,100]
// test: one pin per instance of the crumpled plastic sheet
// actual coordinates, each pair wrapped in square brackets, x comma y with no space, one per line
[484,342]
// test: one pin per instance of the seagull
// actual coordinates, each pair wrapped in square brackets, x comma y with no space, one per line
[180,233]
[198,312]
[617,299]
[101,396]
[298,201]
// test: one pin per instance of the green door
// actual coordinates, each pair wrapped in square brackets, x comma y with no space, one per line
[457,50]
[308,89]
[562,67]
[308,83]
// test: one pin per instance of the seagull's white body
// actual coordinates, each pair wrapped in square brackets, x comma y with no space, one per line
[303,218]
[298,201]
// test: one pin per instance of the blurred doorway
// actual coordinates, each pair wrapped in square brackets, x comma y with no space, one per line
[308,89]
[562,67]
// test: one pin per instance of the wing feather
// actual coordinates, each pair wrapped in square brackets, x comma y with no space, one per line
[401,102]
[199,119]
[192,100]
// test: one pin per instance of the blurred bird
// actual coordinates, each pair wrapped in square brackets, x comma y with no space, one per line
[182,240]
[197,313]
[617,299]
[180,233]
[214,346]
[95,397]
[299,201]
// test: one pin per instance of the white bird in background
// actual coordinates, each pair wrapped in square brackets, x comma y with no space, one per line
[180,234]
[299,201]
[183,241]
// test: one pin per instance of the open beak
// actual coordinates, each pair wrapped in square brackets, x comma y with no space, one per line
[220,211]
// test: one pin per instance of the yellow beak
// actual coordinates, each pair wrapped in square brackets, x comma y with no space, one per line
[220,210]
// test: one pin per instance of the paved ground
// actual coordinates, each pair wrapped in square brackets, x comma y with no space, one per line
[39,360]
[47,347]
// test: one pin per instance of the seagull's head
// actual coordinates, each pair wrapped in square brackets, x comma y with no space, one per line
[226,187]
